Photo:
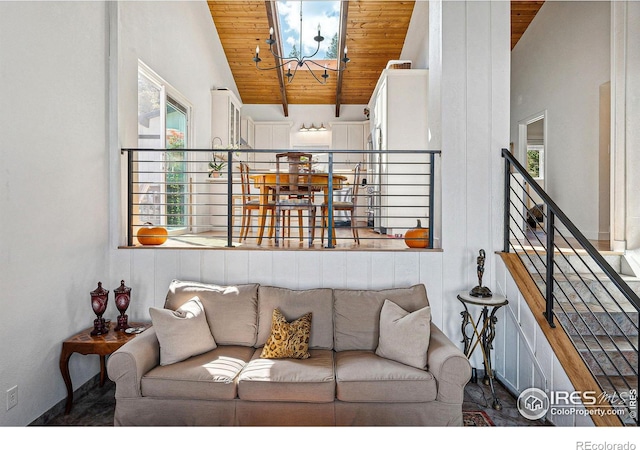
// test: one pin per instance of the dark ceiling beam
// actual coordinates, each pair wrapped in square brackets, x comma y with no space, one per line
[274,23]
[342,43]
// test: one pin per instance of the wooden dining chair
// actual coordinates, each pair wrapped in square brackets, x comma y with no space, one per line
[349,206]
[249,203]
[294,192]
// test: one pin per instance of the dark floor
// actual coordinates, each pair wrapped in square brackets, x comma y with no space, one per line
[94,406]
[478,397]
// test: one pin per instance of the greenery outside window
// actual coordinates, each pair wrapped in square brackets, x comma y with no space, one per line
[535,161]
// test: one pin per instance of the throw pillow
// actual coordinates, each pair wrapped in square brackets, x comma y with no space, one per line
[404,337]
[182,333]
[288,340]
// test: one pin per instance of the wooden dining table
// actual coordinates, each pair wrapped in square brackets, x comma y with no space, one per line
[266,183]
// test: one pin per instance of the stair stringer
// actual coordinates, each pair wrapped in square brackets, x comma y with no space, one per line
[552,352]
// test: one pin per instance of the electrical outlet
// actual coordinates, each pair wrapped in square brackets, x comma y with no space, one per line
[12,397]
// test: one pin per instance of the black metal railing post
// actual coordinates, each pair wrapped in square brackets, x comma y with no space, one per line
[329,202]
[507,203]
[130,198]
[229,198]
[550,225]
[432,178]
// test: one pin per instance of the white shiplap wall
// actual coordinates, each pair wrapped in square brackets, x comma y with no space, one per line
[149,271]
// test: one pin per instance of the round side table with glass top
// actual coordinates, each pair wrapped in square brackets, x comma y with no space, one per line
[483,331]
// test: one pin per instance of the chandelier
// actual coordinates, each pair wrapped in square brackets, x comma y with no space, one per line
[293,63]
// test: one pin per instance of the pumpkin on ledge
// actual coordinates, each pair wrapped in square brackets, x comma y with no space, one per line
[152,235]
[417,237]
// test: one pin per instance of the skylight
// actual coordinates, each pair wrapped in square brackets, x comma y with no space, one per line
[325,14]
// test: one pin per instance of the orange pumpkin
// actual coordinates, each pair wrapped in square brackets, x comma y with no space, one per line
[417,237]
[152,235]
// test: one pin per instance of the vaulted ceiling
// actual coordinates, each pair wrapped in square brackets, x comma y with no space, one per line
[522,13]
[373,30]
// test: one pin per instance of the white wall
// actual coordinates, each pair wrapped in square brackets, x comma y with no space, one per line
[178,40]
[625,161]
[416,44]
[469,61]
[53,196]
[558,67]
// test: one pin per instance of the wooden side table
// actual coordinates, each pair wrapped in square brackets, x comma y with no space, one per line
[86,344]
[484,331]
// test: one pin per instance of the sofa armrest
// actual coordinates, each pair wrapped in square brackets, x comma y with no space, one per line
[129,363]
[449,366]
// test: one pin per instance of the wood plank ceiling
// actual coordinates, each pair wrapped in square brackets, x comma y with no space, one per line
[375,31]
[522,13]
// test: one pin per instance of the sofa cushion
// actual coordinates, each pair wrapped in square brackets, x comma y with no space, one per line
[232,311]
[182,333]
[357,314]
[294,304]
[288,340]
[210,376]
[309,380]
[404,336]
[362,376]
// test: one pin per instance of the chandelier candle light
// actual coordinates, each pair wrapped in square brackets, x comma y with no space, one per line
[299,60]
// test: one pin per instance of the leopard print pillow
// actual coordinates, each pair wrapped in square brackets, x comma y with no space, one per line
[288,340]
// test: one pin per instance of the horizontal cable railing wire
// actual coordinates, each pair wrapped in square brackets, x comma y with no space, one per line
[595,306]
[196,192]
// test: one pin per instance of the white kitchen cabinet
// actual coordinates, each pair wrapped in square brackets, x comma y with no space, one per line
[247,131]
[399,122]
[271,136]
[348,136]
[225,118]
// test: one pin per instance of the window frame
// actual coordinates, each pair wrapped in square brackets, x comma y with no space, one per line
[171,95]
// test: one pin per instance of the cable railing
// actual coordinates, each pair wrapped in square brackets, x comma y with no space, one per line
[596,307]
[225,198]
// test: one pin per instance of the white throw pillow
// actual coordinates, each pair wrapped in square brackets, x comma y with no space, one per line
[182,333]
[404,337]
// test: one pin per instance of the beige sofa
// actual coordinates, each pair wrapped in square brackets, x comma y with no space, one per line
[343,382]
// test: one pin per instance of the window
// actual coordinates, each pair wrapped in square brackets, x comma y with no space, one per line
[163,123]
[535,161]
[323,14]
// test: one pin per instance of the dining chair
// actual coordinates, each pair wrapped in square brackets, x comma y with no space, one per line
[349,206]
[250,204]
[294,192]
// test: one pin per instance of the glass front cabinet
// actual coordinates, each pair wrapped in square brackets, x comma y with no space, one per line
[225,118]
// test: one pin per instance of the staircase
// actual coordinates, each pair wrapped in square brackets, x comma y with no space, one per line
[581,290]
[600,321]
